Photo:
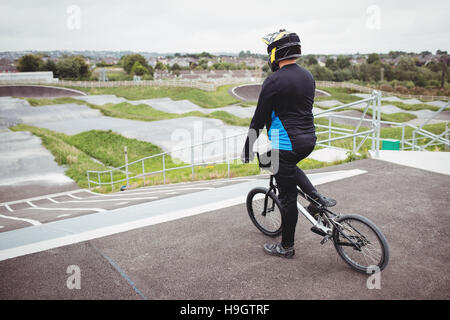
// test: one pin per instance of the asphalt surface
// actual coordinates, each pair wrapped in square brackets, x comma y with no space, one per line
[72,202]
[30,91]
[218,255]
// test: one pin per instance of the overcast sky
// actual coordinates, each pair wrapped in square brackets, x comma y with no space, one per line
[324,26]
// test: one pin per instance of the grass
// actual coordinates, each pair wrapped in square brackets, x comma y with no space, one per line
[206,99]
[385,133]
[341,94]
[410,107]
[246,104]
[394,117]
[38,102]
[142,112]
[102,150]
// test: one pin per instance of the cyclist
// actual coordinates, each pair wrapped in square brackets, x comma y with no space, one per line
[285,108]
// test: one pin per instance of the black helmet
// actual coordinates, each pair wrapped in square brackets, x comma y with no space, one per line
[282,45]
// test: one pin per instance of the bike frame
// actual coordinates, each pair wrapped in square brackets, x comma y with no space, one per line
[306,214]
[323,212]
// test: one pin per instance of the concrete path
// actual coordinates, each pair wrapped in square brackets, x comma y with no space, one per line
[171,134]
[218,254]
[170,106]
[27,167]
[431,161]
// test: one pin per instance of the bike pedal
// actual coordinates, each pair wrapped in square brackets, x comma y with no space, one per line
[325,239]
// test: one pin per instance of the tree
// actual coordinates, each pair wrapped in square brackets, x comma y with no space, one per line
[373,58]
[444,69]
[321,73]
[205,55]
[203,63]
[343,62]
[175,67]
[29,63]
[49,65]
[160,66]
[407,64]
[130,59]
[72,68]
[312,61]
[330,63]
[138,69]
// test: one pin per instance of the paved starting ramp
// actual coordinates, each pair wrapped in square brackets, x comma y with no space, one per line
[431,161]
[59,233]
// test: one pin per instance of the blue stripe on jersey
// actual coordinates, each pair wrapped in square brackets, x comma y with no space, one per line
[278,135]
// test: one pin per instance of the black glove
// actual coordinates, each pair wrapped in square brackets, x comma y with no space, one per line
[247,154]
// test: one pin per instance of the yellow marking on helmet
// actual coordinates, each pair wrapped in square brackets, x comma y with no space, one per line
[265,41]
[279,36]
[272,55]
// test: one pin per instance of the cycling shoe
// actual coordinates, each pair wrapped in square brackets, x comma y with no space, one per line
[279,250]
[324,201]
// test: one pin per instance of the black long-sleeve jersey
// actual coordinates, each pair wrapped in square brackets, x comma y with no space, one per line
[285,108]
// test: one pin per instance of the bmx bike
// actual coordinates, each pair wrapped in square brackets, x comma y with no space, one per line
[358,241]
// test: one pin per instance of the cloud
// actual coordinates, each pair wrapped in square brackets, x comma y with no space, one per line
[194,26]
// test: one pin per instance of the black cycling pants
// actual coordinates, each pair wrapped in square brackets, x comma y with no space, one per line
[288,177]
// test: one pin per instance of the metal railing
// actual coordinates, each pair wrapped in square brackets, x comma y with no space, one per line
[374,103]
[235,144]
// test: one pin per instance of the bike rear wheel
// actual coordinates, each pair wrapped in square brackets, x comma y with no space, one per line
[268,222]
[361,244]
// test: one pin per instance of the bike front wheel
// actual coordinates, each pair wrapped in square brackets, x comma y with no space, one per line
[267,221]
[360,243]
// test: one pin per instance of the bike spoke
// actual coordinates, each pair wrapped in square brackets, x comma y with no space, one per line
[368,251]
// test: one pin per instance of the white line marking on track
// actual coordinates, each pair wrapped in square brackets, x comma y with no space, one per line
[1,227]
[8,208]
[109,200]
[139,192]
[33,222]
[74,197]
[41,197]
[121,203]
[97,194]
[53,200]
[31,204]
[63,215]
[68,209]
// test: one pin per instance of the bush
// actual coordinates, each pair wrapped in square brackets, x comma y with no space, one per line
[386,87]
[433,84]
[409,84]
[342,75]
[401,89]
[321,73]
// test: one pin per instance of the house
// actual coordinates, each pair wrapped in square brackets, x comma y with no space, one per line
[7,66]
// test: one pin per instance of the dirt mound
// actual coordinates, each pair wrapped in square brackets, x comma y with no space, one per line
[250,92]
[29,91]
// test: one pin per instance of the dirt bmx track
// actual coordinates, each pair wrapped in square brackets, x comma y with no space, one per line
[31,91]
